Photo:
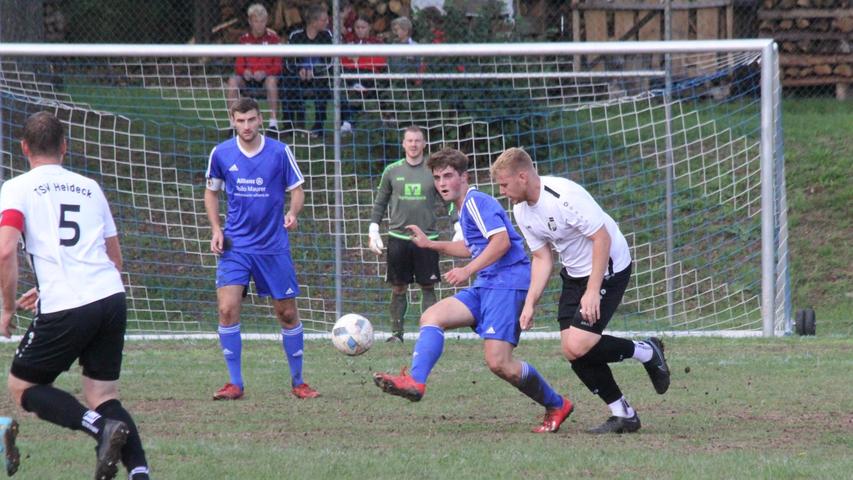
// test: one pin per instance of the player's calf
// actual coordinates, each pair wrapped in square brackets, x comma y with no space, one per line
[9,432]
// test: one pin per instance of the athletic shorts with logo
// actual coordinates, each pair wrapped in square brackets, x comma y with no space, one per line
[273,274]
[409,263]
[612,288]
[495,312]
[92,333]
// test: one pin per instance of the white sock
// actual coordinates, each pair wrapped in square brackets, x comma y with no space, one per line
[273,123]
[620,408]
[642,352]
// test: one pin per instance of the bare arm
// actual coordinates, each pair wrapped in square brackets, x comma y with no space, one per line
[591,300]
[497,247]
[211,206]
[9,237]
[297,201]
[540,272]
[114,251]
[454,249]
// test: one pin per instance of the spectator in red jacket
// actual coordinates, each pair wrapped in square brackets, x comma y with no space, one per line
[257,74]
[361,35]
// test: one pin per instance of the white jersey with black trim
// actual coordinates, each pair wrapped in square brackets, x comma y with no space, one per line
[66,219]
[566,216]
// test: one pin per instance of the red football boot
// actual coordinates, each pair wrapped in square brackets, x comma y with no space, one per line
[228,392]
[554,417]
[402,385]
[304,391]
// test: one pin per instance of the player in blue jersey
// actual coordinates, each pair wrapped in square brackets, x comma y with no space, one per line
[490,307]
[257,174]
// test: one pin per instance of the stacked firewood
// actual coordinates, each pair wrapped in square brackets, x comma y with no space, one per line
[54,22]
[285,15]
[815,40]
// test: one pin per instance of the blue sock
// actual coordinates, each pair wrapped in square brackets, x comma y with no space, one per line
[428,349]
[232,348]
[293,341]
[534,386]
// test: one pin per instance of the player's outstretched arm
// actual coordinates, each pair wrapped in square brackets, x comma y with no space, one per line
[454,249]
[498,246]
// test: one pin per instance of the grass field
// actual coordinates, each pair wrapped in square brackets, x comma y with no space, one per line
[749,408]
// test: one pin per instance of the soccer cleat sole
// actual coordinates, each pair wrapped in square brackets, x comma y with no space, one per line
[387,386]
[11,452]
[107,466]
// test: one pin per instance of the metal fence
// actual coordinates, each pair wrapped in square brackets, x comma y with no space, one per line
[815,36]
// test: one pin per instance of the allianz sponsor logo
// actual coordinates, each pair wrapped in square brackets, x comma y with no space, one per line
[250,181]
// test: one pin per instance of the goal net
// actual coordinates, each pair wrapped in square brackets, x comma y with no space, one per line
[688,163]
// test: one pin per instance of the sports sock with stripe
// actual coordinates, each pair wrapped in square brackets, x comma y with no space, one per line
[427,351]
[293,342]
[534,386]
[232,350]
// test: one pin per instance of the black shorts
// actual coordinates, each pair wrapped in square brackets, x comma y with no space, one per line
[408,263]
[573,290]
[94,333]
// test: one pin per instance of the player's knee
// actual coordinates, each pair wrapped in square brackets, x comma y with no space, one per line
[574,352]
[500,367]
[287,316]
[228,315]
[399,289]
[430,318]
[16,388]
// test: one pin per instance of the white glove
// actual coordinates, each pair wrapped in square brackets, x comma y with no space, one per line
[374,239]
[457,232]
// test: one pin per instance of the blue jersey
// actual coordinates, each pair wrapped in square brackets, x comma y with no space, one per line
[482,216]
[256,187]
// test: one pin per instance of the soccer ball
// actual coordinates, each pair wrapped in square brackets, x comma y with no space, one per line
[352,334]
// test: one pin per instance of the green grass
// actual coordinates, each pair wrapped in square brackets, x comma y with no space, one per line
[818,163]
[750,408]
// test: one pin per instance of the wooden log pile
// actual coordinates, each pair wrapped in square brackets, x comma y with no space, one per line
[815,41]
[286,15]
[55,22]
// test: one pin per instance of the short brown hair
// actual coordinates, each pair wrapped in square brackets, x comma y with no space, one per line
[44,134]
[448,157]
[512,160]
[414,129]
[243,105]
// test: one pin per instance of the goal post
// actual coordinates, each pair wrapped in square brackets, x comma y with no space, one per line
[694,175]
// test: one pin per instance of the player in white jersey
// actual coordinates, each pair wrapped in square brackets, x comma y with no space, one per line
[557,213]
[79,300]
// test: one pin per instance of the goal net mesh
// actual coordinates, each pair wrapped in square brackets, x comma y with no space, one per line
[144,127]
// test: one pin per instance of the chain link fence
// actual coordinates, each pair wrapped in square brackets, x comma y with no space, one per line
[815,36]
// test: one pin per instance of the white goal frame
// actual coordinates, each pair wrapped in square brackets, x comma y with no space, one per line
[775,283]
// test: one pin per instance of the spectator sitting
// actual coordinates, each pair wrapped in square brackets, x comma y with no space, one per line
[308,77]
[401,28]
[361,35]
[257,73]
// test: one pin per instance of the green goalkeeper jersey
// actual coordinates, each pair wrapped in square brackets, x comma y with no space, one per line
[408,193]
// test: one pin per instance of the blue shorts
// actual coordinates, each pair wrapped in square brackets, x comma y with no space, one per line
[495,311]
[273,274]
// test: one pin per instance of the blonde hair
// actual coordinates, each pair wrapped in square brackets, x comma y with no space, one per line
[512,160]
[404,23]
[257,10]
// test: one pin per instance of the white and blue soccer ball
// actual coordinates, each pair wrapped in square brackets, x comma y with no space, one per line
[352,334]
